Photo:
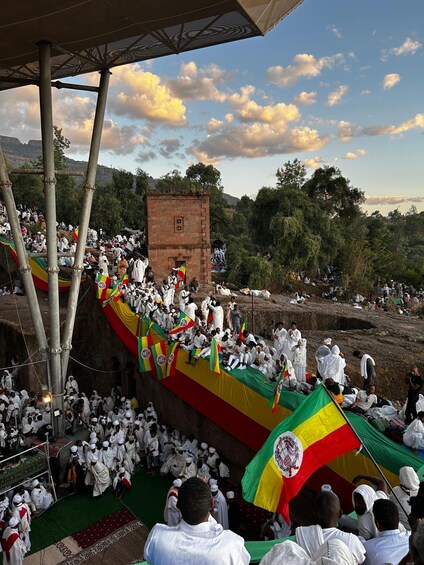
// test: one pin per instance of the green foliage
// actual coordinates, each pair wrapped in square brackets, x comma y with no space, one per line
[28,190]
[291,175]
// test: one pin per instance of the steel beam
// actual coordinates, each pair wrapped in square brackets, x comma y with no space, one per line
[89,189]
[46,114]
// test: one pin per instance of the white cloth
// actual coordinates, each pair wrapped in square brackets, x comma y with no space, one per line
[310,538]
[220,509]
[390,547]
[332,366]
[171,513]
[331,552]
[206,543]
[16,553]
[366,525]
[363,367]
[41,498]
[409,485]
[414,435]
[101,478]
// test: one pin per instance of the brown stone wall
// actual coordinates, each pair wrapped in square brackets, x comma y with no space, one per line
[167,245]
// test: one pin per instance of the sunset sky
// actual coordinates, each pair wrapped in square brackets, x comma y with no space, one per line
[338,83]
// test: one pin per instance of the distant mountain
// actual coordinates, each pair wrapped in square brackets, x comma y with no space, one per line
[19,154]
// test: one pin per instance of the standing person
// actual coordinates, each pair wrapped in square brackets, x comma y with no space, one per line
[415,382]
[236,320]
[367,368]
[13,547]
[22,512]
[101,477]
[197,538]
[299,360]
[171,513]
[409,483]
[220,507]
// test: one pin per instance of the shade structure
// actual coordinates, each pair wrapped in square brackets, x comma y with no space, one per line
[90,35]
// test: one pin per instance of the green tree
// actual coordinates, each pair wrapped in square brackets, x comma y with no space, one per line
[292,174]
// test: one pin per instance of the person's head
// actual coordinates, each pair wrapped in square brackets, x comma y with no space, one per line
[420,416]
[327,508]
[416,545]
[293,325]
[363,498]
[370,389]
[386,515]
[194,501]
[357,354]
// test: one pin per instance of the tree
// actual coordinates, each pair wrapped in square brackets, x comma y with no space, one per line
[335,194]
[141,182]
[28,190]
[291,174]
[205,176]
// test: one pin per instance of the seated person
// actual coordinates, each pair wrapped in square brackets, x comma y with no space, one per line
[328,512]
[413,436]
[392,544]
[198,538]
[365,399]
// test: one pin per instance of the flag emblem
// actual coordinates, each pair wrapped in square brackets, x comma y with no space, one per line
[288,454]
[101,285]
[161,359]
[183,323]
[171,358]
[145,353]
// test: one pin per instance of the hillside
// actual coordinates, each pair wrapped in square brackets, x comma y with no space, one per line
[18,154]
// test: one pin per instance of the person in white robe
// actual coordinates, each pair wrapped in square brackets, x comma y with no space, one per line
[101,477]
[139,269]
[13,546]
[217,316]
[220,507]
[292,339]
[413,436]
[320,354]
[333,365]
[21,511]
[197,538]
[40,496]
[409,483]
[331,552]
[279,336]
[183,298]
[171,513]
[103,263]
[299,360]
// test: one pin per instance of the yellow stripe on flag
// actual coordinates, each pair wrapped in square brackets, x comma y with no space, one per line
[271,476]
[320,425]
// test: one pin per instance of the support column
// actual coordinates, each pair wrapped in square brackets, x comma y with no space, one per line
[24,268]
[89,189]
[46,114]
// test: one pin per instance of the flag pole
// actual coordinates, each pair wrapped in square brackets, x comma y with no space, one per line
[385,479]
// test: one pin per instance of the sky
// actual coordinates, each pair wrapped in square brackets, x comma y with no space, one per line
[336,83]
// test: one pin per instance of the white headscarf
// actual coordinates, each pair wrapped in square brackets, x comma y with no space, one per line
[286,553]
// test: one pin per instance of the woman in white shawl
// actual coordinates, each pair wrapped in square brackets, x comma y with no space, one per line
[299,360]
[333,365]
[409,485]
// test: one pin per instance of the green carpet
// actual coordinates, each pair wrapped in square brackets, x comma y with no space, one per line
[69,515]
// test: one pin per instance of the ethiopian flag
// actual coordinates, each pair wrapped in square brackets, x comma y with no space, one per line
[145,356]
[102,284]
[75,234]
[279,387]
[180,276]
[184,323]
[214,357]
[159,358]
[316,433]
[171,366]
[242,329]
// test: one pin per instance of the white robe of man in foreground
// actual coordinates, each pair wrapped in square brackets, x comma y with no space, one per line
[13,547]
[101,477]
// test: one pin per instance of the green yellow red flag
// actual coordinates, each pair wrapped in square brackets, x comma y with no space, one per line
[159,358]
[145,356]
[102,285]
[214,357]
[316,433]
[171,366]
[184,323]
[181,274]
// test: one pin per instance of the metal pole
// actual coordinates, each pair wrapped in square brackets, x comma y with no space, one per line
[253,315]
[24,268]
[46,114]
[89,189]
[383,476]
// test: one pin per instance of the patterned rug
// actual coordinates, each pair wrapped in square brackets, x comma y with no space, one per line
[119,538]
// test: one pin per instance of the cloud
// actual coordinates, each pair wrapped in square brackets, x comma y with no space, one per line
[168,147]
[376,200]
[305,66]
[253,112]
[195,83]
[354,154]
[145,156]
[365,92]
[390,80]
[346,130]
[214,125]
[335,31]
[141,95]
[336,96]
[408,47]
[117,139]
[256,140]
[306,98]
[313,163]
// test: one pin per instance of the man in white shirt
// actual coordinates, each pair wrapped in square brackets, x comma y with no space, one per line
[198,538]
[328,512]
[392,544]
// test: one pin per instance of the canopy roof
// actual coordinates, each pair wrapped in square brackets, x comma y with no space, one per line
[90,35]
